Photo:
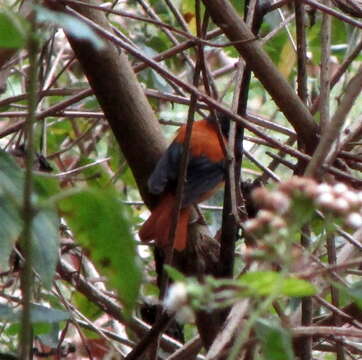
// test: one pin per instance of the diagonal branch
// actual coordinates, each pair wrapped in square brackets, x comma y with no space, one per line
[225,16]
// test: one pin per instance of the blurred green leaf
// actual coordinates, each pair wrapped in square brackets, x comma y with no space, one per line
[45,223]
[70,24]
[264,283]
[38,314]
[354,291]
[43,314]
[238,5]
[7,313]
[11,178]
[314,42]
[97,218]
[41,328]
[13,329]
[46,186]
[287,61]
[10,228]
[174,274]
[276,342]
[12,30]
[302,210]
[96,175]
[86,307]
[45,244]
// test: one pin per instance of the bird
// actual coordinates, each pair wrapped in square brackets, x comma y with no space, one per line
[205,173]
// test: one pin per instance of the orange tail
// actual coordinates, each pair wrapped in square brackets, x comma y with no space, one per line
[157,227]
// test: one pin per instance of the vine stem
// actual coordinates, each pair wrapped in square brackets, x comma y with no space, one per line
[26,280]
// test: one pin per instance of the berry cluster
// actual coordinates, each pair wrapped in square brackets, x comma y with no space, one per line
[337,200]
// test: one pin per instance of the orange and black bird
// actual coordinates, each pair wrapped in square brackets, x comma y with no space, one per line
[205,172]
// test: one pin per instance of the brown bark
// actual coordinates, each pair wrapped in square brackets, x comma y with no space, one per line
[123,102]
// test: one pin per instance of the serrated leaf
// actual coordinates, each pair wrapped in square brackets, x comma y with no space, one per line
[45,240]
[97,219]
[265,283]
[12,31]
[70,24]
[276,343]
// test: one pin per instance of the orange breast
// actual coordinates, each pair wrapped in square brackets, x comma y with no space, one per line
[204,140]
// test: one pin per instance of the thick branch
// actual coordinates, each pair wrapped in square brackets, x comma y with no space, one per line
[123,102]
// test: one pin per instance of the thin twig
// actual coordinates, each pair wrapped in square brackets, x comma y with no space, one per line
[323,154]
[325,70]
[318,5]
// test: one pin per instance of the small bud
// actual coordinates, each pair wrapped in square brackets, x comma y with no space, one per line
[340,188]
[351,197]
[311,190]
[185,315]
[251,225]
[354,220]
[325,199]
[279,202]
[259,195]
[341,205]
[324,188]
[265,216]
[176,297]
[278,223]
[359,197]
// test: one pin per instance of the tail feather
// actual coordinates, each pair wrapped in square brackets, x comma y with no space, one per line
[157,227]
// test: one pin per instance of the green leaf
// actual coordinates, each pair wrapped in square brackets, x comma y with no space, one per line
[45,226]
[38,314]
[96,175]
[45,186]
[303,210]
[43,314]
[11,177]
[70,24]
[10,228]
[11,189]
[275,341]
[45,244]
[238,6]
[41,328]
[86,307]
[354,291]
[97,219]
[7,313]
[265,283]
[51,338]
[12,30]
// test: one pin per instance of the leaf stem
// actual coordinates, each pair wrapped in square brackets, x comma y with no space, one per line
[26,280]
